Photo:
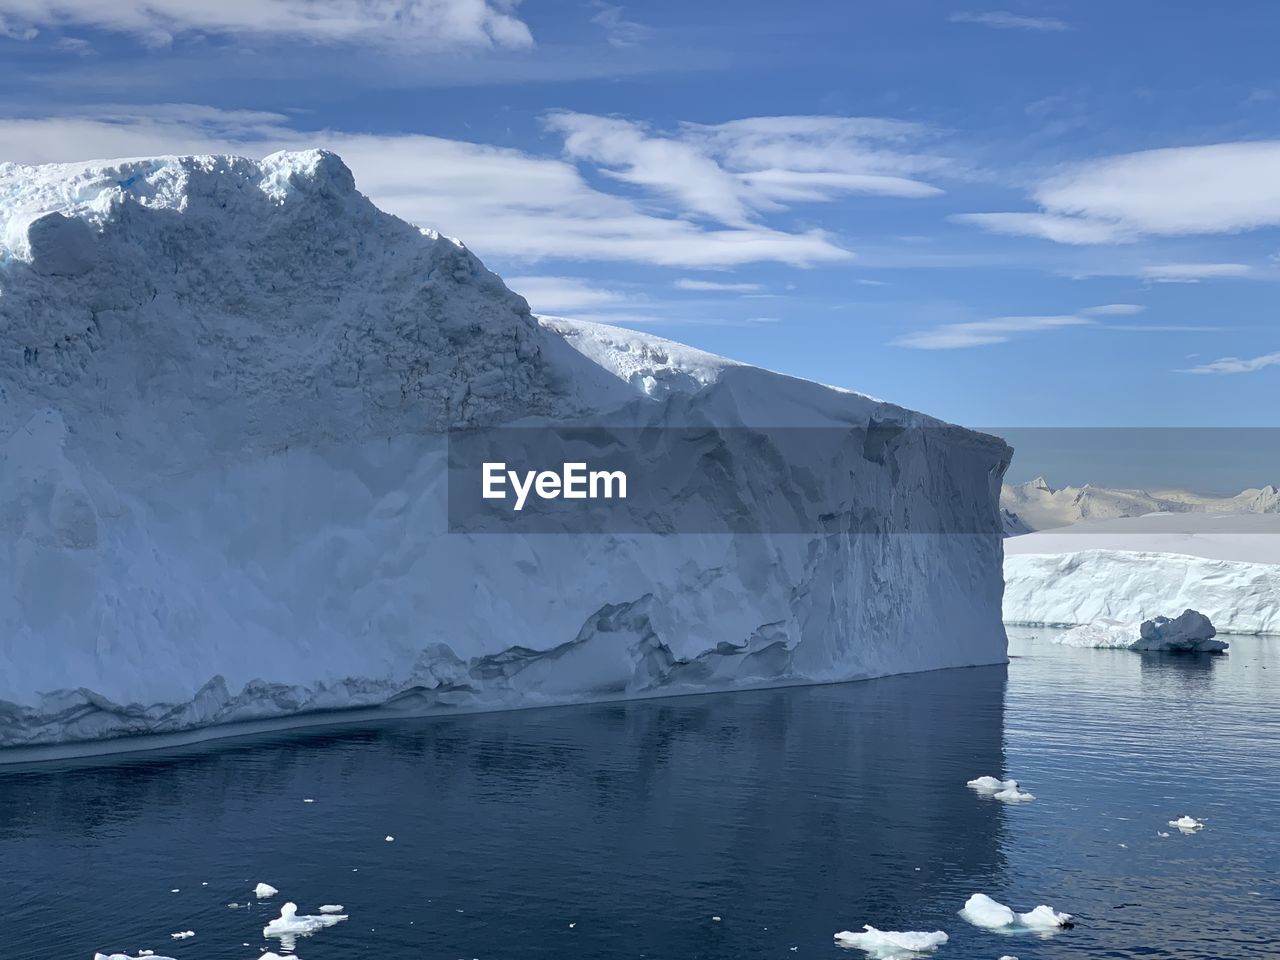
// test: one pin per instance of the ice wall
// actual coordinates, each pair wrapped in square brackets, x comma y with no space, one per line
[224,391]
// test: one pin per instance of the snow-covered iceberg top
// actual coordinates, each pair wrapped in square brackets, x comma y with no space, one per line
[224,432]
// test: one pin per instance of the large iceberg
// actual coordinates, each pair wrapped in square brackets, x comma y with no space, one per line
[1227,566]
[226,393]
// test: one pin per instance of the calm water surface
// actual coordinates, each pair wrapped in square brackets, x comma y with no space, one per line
[789,814]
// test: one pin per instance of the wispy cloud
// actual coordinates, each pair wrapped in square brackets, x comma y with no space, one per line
[562,294]
[433,24]
[1114,310]
[501,201]
[1236,364]
[619,31]
[1175,191]
[717,286]
[1195,272]
[735,172]
[953,336]
[1002,20]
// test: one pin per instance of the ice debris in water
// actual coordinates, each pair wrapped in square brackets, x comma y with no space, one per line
[890,944]
[1187,824]
[1006,790]
[389,838]
[183,934]
[1191,632]
[124,956]
[331,908]
[264,890]
[982,911]
[289,924]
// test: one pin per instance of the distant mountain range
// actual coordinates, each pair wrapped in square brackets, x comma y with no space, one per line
[1027,507]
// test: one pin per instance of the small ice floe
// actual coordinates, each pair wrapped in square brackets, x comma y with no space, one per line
[1007,957]
[1004,790]
[1192,632]
[716,919]
[183,934]
[308,800]
[331,908]
[572,925]
[275,956]
[1187,824]
[124,956]
[264,890]
[289,925]
[982,911]
[389,838]
[1162,833]
[891,944]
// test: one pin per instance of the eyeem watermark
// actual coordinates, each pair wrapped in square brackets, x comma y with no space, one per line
[573,482]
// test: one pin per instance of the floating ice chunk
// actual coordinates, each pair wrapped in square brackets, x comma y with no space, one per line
[389,838]
[1189,633]
[1045,918]
[1007,957]
[264,890]
[289,924]
[1162,833]
[716,919]
[1187,824]
[982,911]
[331,908]
[891,945]
[145,953]
[1014,795]
[275,956]
[183,934]
[992,785]
[308,800]
[1006,790]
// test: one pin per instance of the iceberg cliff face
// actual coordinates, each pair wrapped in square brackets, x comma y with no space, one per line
[225,391]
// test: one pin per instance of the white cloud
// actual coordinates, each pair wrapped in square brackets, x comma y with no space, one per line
[500,201]
[951,336]
[619,31]
[1195,272]
[1236,365]
[735,172]
[555,294]
[423,23]
[1114,310]
[717,286]
[1176,191]
[1002,20]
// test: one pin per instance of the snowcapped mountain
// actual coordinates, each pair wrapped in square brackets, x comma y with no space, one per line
[1037,506]
[225,396]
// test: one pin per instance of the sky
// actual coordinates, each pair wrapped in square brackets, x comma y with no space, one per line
[1027,214]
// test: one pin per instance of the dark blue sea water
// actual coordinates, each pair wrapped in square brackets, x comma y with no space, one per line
[789,814]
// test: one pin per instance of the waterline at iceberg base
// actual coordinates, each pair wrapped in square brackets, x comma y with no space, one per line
[223,423]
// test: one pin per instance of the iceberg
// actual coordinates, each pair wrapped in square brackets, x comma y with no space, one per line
[982,911]
[1191,632]
[1131,569]
[227,411]
[891,945]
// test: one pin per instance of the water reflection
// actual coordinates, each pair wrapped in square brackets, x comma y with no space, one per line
[788,813]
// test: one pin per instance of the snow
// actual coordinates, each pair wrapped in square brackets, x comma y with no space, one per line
[1129,570]
[264,890]
[891,945]
[1192,632]
[982,911]
[223,417]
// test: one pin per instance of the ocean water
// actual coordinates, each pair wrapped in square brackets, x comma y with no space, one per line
[736,826]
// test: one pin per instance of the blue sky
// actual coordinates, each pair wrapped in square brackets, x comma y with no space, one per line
[1031,213]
